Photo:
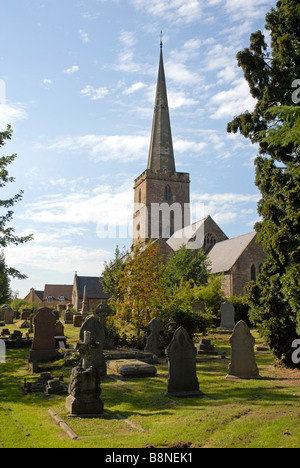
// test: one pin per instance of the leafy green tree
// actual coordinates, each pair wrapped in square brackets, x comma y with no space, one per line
[112,273]
[5,291]
[187,265]
[274,126]
[7,235]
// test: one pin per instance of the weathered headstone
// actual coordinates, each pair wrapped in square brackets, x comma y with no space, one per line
[78,320]
[242,365]
[43,345]
[9,316]
[84,399]
[92,324]
[84,389]
[154,342]
[182,378]
[25,314]
[227,316]
[68,316]
[132,368]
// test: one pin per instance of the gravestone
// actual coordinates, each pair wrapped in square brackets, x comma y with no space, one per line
[25,314]
[102,311]
[93,325]
[227,316]
[181,355]
[68,316]
[84,389]
[242,365]
[43,345]
[132,368]
[9,316]
[205,347]
[154,342]
[59,329]
[78,320]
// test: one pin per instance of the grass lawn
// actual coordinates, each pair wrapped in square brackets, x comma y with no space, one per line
[233,414]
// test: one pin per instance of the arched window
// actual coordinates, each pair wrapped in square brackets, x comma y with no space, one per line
[209,240]
[168,194]
[253,273]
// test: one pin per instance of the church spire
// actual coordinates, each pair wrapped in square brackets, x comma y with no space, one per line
[161,155]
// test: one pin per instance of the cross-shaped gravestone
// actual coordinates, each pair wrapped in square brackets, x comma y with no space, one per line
[154,342]
[85,350]
[93,326]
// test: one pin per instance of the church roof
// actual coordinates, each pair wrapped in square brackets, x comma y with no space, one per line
[223,255]
[191,236]
[94,289]
[161,154]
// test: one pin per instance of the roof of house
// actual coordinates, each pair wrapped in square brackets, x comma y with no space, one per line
[39,294]
[94,289]
[223,255]
[57,290]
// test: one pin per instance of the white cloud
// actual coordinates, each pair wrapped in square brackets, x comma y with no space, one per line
[63,259]
[46,81]
[135,87]
[127,38]
[94,93]
[179,73]
[178,99]
[184,11]
[245,9]
[225,208]
[124,148]
[84,36]
[72,69]
[232,102]
[10,113]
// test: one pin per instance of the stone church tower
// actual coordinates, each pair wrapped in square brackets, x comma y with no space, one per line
[161,194]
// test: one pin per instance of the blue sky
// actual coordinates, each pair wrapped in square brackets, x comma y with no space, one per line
[77,84]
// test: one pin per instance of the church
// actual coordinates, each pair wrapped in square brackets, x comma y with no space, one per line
[162,209]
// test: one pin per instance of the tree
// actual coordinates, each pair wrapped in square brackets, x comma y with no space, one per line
[5,292]
[187,265]
[274,126]
[7,235]
[111,274]
[141,287]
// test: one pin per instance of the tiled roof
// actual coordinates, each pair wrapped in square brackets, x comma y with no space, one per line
[223,255]
[94,289]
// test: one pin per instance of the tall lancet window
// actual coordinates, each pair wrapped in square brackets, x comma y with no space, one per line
[168,196]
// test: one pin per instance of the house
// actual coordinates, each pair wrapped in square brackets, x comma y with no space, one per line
[35,296]
[88,288]
[57,294]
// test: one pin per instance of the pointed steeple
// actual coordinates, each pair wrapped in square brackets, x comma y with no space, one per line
[161,155]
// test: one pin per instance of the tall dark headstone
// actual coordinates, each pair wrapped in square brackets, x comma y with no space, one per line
[181,354]
[43,345]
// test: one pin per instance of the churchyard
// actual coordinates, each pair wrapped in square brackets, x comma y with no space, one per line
[139,412]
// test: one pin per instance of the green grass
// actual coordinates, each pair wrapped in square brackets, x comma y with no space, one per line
[233,414]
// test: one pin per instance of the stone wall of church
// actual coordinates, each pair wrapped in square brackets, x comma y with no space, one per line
[159,189]
[247,267]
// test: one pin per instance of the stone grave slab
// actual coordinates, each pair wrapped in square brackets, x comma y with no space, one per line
[131,368]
